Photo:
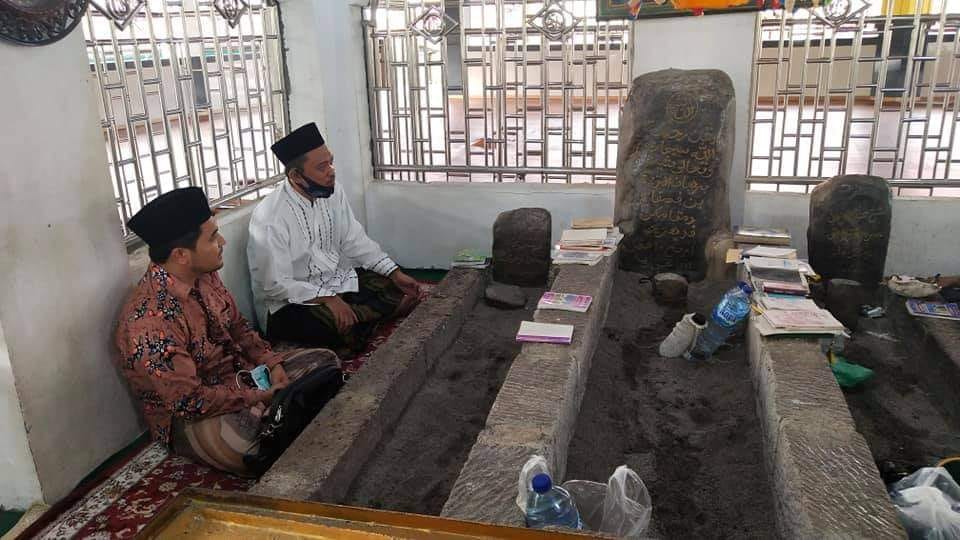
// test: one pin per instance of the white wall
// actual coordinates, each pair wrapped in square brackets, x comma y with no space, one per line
[923,235]
[62,261]
[424,225]
[323,41]
[723,42]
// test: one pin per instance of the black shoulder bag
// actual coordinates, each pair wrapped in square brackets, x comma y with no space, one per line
[292,408]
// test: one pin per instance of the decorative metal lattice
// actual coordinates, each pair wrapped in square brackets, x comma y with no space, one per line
[860,89]
[839,12]
[231,10]
[434,25]
[554,20]
[495,90]
[121,12]
[189,98]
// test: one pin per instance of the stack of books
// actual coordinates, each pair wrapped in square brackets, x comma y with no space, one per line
[583,239]
[777,276]
[470,258]
[771,252]
[798,321]
[587,246]
[765,236]
[593,223]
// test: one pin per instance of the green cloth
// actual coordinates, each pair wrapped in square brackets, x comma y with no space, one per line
[848,374]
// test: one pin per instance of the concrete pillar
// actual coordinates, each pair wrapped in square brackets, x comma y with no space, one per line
[324,46]
[63,274]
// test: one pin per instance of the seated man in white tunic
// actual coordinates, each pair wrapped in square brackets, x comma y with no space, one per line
[304,244]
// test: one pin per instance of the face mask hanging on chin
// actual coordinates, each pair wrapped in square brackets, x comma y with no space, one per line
[316,190]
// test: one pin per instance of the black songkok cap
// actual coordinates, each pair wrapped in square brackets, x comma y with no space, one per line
[171,216]
[297,143]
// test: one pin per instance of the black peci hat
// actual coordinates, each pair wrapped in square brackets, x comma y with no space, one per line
[297,143]
[171,216]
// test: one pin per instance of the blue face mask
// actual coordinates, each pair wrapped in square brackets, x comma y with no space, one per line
[316,190]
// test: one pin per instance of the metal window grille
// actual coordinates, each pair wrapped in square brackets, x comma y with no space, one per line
[189,97]
[857,88]
[495,90]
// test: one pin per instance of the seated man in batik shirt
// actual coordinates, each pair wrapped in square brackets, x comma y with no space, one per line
[304,244]
[185,350]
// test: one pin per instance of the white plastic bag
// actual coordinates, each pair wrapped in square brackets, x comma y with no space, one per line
[912,287]
[534,466]
[621,507]
[928,502]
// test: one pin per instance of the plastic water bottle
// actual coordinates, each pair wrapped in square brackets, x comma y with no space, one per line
[550,506]
[732,309]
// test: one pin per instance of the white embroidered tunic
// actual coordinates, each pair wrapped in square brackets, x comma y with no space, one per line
[299,250]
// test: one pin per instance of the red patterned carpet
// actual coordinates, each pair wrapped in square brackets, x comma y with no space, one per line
[125,497]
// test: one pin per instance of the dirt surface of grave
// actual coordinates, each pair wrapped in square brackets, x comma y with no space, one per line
[414,467]
[902,422]
[688,429]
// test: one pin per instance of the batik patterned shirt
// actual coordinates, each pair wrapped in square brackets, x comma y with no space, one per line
[181,347]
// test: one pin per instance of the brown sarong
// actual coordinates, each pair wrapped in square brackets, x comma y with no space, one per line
[222,441]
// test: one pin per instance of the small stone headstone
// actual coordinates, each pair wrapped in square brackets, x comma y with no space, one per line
[504,296]
[716,253]
[676,147]
[670,289]
[844,298]
[521,247]
[850,228]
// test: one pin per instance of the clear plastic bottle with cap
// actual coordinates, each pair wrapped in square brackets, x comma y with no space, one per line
[732,309]
[550,506]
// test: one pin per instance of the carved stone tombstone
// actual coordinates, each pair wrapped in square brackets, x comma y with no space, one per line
[850,228]
[676,146]
[521,247]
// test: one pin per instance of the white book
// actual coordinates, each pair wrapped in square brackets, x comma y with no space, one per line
[767,329]
[563,256]
[545,332]
[583,237]
[819,319]
[771,263]
[787,302]
[772,252]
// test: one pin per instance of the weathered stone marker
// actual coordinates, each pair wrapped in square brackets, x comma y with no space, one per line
[521,247]
[503,296]
[844,298]
[676,145]
[670,289]
[850,228]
